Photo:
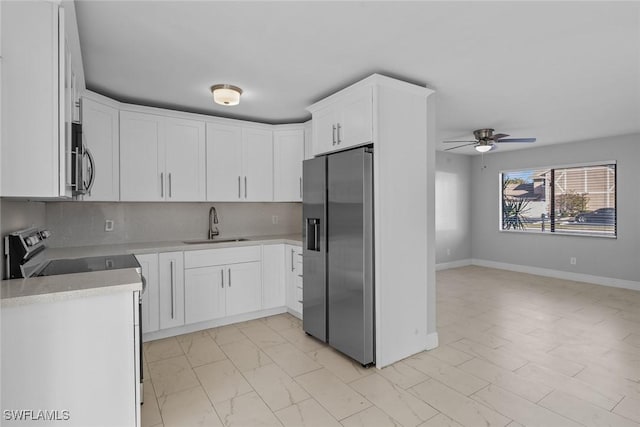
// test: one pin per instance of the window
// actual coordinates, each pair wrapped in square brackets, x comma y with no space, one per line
[569,200]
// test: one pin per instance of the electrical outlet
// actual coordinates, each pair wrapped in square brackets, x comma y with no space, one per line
[573,260]
[108,225]
[274,219]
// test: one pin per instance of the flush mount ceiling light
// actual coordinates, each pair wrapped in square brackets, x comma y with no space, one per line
[483,148]
[225,94]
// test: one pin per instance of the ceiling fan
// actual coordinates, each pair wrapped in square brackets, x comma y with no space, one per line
[486,140]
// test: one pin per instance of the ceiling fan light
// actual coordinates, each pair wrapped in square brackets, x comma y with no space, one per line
[483,148]
[225,94]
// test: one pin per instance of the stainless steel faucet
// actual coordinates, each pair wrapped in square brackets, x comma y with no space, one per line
[213,219]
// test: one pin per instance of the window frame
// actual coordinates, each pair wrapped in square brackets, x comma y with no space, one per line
[551,232]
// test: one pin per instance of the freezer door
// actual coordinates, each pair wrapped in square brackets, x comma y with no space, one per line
[350,253]
[314,250]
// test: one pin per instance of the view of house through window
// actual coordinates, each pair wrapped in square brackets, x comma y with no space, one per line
[569,200]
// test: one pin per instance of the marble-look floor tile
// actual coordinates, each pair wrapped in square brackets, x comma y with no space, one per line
[455,378]
[226,334]
[568,367]
[393,400]
[246,355]
[334,395]
[448,354]
[301,340]
[583,412]
[370,417]
[569,385]
[629,408]
[307,413]
[161,349]
[519,409]
[222,380]
[201,349]
[188,408]
[457,406]
[291,360]
[340,365]
[530,390]
[402,375]
[172,375]
[282,322]
[263,336]
[606,379]
[497,356]
[246,410]
[149,411]
[275,387]
[441,420]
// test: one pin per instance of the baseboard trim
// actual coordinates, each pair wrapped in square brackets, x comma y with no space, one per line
[453,264]
[559,274]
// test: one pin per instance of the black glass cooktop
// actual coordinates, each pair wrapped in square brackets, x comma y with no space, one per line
[85,265]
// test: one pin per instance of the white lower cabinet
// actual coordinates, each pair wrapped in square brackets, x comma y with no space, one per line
[171,284]
[273,282]
[222,282]
[151,295]
[293,278]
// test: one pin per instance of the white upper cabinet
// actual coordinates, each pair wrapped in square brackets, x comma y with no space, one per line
[161,158]
[343,120]
[185,160]
[224,163]
[288,154]
[308,140]
[100,129]
[239,164]
[36,111]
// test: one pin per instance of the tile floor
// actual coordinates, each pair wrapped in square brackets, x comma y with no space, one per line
[515,349]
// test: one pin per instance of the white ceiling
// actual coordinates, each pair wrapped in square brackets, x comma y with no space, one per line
[559,71]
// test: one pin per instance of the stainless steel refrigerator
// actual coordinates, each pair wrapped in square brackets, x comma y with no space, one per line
[338,299]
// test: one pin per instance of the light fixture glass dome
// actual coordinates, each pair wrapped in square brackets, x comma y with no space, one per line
[483,148]
[225,94]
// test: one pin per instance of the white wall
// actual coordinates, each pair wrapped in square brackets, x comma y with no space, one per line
[80,224]
[453,207]
[602,257]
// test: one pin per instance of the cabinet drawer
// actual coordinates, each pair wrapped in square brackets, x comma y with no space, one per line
[210,257]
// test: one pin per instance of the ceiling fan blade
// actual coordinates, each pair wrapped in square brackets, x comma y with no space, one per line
[517,140]
[460,146]
[498,136]
[448,142]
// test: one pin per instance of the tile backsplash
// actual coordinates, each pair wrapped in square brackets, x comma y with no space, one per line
[82,224]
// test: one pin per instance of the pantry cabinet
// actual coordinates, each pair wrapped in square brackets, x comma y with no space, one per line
[161,158]
[344,120]
[288,154]
[239,163]
[171,289]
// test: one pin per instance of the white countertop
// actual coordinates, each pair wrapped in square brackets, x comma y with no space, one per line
[17,292]
[54,288]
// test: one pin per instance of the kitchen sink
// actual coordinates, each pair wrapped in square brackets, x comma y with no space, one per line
[200,242]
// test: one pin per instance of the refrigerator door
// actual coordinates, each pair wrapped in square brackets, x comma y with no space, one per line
[314,250]
[350,253]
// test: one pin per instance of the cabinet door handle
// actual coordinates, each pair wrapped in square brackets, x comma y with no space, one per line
[333,135]
[292,265]
[339,140]
[239,196]
[229,277]
[172,289]
[222,278]
[170,184]
[301,187]
[245,187]
[162,184]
